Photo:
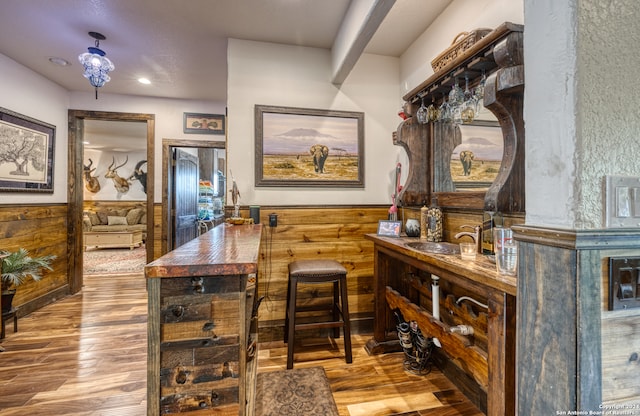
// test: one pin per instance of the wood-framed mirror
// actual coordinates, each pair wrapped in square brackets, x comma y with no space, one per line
[498,57]
[75,192]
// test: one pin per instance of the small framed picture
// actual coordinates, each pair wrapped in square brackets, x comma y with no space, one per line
[389,228]
[198,123]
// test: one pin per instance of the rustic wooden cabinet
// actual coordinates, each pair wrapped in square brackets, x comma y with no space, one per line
[498,56]
[202,328]
[481,365]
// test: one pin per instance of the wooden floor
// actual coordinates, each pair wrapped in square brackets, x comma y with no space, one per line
[86,355]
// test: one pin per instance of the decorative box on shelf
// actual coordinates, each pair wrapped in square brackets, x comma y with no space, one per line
[462,42]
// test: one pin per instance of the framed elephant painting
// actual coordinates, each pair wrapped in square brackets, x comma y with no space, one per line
[308,147]
[476,161]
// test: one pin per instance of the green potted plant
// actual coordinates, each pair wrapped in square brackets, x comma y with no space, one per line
[17,268]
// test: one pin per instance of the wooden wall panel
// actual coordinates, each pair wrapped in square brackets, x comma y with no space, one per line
[316,233]
[42,230]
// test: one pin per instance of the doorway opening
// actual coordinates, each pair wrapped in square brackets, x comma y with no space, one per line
[79,121]
[115,180]
[194,188]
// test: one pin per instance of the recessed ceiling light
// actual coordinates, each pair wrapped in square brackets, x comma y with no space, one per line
[144,81]
[59,61]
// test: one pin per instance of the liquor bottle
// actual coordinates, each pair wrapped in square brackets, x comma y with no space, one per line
[490,220]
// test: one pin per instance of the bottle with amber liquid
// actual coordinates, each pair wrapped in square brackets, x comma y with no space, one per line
[434,221]
[490,220]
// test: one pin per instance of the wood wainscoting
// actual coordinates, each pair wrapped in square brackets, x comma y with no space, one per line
[316,232]
[42,230]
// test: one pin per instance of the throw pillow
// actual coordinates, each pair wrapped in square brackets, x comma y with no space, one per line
[103,216]
[117,220]
[93,217]
[134,215]
[121,212]
[143,219]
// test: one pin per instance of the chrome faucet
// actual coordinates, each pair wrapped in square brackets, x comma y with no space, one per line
[475,235]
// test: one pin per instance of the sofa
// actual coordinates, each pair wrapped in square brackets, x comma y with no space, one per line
[114,220]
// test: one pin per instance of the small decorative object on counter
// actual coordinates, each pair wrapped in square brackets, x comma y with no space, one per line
[490,220]
[412,227]
[434,221]
[424,213]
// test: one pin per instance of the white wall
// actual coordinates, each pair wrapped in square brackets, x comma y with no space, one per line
[272,74]
[25,92]
[108,192]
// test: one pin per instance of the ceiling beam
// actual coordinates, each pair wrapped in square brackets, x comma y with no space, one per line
[358,27]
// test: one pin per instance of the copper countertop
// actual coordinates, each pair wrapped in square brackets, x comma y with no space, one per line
[481,270]
[224,250]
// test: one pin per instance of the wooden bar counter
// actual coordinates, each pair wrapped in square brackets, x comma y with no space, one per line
[202,327]
[482,365]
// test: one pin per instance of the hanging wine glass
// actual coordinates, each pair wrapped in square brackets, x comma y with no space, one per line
[421,114]
[468,108]
[456,95]
[433,112]
[478,93]
[445,110]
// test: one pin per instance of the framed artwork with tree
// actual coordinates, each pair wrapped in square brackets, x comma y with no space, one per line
[26,153]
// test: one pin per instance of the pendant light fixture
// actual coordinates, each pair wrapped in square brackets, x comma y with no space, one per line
[96,65]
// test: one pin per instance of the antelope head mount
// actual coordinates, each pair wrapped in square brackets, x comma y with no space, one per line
[90,182]
[140,175]
[121,184]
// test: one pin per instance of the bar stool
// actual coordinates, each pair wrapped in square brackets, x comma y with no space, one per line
[314,272]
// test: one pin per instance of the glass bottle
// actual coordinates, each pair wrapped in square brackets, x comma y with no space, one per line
[490,220]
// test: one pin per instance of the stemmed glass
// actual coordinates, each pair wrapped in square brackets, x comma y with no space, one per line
[478,93]
[468,110]
[456,95]
[422,114]
[433,112]
[446,114]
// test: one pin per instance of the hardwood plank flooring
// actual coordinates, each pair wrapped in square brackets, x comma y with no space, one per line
[85,355]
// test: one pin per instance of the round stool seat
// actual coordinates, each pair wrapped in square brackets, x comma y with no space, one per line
[320,268]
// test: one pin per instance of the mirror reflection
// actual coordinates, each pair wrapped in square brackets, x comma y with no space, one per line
[476,161]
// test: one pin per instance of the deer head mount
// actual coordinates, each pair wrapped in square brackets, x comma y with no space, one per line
[122,184]
[90,182]
[140,175]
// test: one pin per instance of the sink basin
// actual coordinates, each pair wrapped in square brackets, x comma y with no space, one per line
[434,248]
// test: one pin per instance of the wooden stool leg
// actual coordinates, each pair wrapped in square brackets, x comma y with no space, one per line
[335,307]
[346,319]
[293,282]
[286,312]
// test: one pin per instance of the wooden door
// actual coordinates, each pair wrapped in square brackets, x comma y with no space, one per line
[185,203]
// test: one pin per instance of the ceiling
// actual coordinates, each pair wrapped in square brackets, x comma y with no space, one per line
[181,45]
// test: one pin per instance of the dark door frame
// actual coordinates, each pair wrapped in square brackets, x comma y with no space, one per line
[75,191]
[167,186]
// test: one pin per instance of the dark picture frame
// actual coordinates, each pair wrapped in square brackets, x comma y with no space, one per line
[389,228]
[202,123]
[26,153]
[308,147]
